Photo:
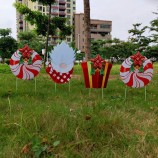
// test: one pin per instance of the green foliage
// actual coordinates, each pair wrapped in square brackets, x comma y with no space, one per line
[151,51]
[112,48]
[154,29]
[45,2]
[26,36]
[80,56]
[34,41]
[141,41]
[8,44]
[57,24]
[5,32]
[98,47]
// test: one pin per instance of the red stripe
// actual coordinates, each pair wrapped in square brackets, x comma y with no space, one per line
[100,80]
[35,72]
[130,82]
[20,75]
[107,75]
[123,69]
[13,62]
[36,57]
[85,73]
[95,80]
[146,81]
[148,66]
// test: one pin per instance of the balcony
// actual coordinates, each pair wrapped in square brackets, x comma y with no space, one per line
[62,2]
[61,7]
[54,13]
[62,13]
[20,27]
[20,22]
[54,7]
[99,30]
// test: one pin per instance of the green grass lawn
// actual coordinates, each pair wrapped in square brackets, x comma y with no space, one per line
[77,123]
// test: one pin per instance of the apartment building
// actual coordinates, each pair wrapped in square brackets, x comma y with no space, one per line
[100,29]
[61,8]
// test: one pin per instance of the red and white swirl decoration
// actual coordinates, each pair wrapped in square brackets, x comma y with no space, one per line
[25,71]
[136,79]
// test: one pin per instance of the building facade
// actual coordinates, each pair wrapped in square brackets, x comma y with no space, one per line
[61,8]
[100,29]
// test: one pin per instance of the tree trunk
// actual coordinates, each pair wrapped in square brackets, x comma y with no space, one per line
[46,47]
[87,29]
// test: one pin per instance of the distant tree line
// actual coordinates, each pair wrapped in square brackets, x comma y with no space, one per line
[137,41]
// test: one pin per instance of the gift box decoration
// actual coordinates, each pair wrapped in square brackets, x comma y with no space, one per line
[96,72]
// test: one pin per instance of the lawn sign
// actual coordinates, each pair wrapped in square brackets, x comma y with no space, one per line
[25,64]
[136,71]
[61,66]
[96,72]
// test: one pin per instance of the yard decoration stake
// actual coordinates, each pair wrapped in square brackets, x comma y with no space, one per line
[61,66]
[136,71]
[25,64]
[96,72]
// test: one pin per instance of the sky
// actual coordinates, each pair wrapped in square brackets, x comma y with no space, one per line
[122,13]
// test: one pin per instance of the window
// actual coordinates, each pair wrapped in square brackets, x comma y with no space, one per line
[68,22]
[68,11]
[68,5]
[74,8]
[105,26]
[68,16]
[93,26]
[40,8]
[74,2]
[69,39]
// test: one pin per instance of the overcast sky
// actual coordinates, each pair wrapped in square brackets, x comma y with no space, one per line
[122,13]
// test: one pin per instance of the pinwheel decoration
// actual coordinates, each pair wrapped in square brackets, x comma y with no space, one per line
[61,66]
[136,71]
[96,72]
[25,63]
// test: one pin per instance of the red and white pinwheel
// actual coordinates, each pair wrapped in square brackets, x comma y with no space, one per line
[25,63]
[136,71]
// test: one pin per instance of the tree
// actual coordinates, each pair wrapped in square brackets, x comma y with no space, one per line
[154,29]
[26,36]
[7,44]
[141,41]
[32,39]
[152,51]
[87,29]
[98,47]
[45,25]
[112,48]
[5,32]
[49,3]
